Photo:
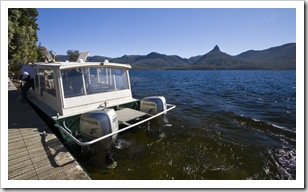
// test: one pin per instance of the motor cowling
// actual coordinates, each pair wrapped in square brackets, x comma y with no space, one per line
[95,124]
[153,105]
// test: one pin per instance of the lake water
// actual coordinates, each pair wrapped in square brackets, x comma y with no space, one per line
[227,125]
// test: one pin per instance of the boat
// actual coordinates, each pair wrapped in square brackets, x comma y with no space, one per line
[90,103]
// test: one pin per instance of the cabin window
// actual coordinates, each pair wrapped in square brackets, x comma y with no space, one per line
[93,80]
[100,80]
[41,78]
[72,82]
[45,80]
[121,79]
[49,82]
[36,82]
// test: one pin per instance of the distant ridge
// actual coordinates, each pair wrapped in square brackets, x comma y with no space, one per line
[275,58]
[280,57]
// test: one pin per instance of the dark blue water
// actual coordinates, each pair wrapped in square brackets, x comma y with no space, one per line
[227,125]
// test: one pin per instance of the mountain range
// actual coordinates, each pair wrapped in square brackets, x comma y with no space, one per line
[274,58]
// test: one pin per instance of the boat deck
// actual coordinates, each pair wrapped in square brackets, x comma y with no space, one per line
[128,114]
[34,152]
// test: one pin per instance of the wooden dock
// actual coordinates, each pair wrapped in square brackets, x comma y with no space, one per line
[34,152]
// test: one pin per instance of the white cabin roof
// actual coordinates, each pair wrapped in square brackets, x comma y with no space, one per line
[68,65]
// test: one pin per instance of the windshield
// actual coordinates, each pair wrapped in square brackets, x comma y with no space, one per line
[93,80]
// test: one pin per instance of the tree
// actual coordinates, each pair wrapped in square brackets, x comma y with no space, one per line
[22,36]
[73,55]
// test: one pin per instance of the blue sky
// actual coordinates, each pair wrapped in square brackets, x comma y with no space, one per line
[114,32]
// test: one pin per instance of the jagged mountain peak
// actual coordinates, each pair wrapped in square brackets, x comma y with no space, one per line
[216,48]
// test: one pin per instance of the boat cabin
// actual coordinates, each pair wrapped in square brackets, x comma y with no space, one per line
[70,88]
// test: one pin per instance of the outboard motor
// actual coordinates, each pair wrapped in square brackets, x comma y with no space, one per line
[95,124]
[154,105]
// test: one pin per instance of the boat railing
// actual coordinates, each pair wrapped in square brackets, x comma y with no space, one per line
[69,133]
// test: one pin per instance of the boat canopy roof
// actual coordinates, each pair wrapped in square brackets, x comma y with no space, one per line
[70,65]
